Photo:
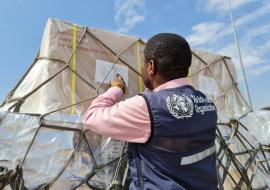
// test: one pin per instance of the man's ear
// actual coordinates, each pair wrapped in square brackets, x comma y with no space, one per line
[152,67]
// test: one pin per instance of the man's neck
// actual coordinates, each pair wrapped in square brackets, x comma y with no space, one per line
[158,82]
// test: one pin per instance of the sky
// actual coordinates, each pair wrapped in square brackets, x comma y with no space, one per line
[205,24]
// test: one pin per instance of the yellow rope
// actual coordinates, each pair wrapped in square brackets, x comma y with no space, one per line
[73,75]
[189,78]
[139,65]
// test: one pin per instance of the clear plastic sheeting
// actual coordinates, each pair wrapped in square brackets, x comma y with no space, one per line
[48,154]
[73,156]
[243,161]
[42,136]
[16,134]
[258,124]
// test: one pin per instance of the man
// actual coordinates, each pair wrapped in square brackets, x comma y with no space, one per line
[171,129]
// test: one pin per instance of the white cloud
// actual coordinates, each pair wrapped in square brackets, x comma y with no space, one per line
[221,6]
[261,11]
[128,14]
[249,59]
[206,32]
[258,31]
[260,49]
[259,70]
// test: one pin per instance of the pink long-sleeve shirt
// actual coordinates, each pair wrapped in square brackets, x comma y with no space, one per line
[126,120]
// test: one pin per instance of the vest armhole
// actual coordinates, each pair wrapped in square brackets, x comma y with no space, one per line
[151,117]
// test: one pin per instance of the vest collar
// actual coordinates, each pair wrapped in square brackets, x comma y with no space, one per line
[172,84]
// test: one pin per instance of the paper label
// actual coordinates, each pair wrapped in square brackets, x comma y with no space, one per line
[105,67]
[208,85]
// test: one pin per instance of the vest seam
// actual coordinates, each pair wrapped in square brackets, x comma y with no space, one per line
[151,118]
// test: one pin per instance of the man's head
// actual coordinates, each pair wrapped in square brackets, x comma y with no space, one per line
[167,57]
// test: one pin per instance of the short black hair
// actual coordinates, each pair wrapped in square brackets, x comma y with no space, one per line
[171,54]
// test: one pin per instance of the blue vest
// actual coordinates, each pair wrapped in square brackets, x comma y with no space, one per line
[180,153]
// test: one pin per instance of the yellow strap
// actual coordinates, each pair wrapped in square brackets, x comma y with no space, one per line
[189,79]
[139,65]
[73,75]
